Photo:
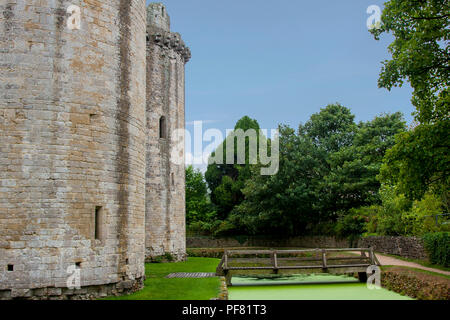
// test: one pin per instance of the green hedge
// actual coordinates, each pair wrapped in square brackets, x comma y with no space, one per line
[437,246]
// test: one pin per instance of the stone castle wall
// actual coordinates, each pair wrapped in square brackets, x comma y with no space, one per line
[165,189]
[72,147]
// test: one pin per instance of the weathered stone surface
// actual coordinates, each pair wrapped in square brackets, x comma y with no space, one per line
[72,139]
[408,247]
[165,179]
[301,242]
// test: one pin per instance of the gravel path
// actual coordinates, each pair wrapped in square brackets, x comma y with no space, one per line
[390,261]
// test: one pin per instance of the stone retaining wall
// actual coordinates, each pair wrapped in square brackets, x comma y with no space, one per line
[408,247]
[304,242]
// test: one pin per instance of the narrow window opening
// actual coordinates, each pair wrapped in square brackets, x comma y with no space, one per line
[162,128]
[10,267]
[98,223]
[127,261]
[162,10]
[78,265]
[172,177]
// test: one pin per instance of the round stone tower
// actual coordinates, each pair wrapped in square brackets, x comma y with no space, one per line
[72,148]
[165,190]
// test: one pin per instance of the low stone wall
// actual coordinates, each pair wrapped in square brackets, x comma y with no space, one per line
[302,242]
[408,247]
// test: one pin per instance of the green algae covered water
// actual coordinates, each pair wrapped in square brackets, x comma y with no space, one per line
[307,287]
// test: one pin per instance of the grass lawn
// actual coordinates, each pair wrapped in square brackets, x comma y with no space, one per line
[157,287]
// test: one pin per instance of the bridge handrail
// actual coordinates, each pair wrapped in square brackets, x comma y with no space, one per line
[223,267]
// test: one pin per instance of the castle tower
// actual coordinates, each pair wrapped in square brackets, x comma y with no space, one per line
[72,147]
[165,189]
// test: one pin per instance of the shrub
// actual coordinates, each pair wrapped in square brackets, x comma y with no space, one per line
[353,223]
[437,246]
[421,219]
[415,284]
[399,216]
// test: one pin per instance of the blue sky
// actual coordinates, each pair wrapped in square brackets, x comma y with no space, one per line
[281,61]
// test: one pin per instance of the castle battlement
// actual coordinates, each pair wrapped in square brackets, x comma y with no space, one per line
[157,17]
[171,40]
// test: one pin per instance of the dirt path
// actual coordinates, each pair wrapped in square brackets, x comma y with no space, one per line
[390,261]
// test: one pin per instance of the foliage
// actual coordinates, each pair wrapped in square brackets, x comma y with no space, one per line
[420,161]
[421,218]
[415,283]
[227,180]
[198,205]
[352,181]
[327,168]
[420,53]
[386,219]
[399,216]
[437,246]
[352,223]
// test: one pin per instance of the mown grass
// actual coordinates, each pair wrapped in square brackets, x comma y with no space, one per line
[157,287]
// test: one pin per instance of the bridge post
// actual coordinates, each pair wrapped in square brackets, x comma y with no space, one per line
[228,277]
[273,258]
[324,260]
[371,255]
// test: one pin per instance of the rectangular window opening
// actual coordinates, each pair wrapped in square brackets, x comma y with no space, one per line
[98,223]
[10,267]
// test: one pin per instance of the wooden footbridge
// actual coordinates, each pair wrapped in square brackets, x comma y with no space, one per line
[334,261]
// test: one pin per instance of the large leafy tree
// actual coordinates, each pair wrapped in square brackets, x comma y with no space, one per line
[352,179]
[227,180]
[420,54]
[328,167]
[420,161]
[285,203]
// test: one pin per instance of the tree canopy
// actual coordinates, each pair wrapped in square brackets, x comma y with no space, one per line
[420,54]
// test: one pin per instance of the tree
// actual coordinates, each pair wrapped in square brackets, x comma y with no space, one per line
[327,168]
[420,54]
[331,129]
[198,205]
[352,181]
[419,161]
[284,204]
[227,180]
